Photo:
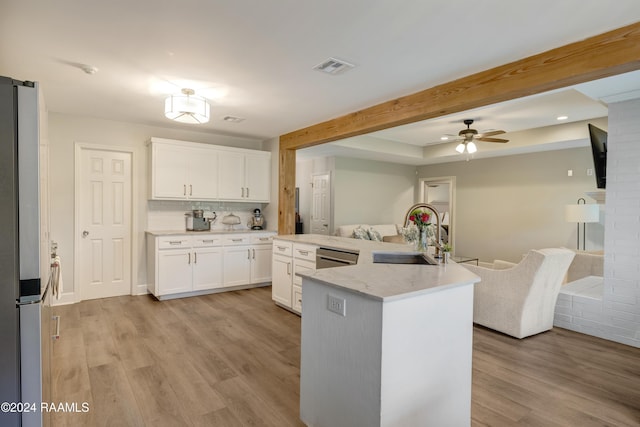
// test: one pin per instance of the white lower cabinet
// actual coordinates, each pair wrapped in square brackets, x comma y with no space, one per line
[207,268]
[281,281]
[289,259]
[194,264]
[174,271]
[247,259]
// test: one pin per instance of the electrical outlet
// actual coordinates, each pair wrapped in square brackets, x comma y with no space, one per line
[570,172]
[337,305]
[589,172]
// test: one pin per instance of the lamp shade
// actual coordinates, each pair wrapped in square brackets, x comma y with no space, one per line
[582,213]
[187,108]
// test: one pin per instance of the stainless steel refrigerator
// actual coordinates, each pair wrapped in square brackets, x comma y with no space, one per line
[25,340]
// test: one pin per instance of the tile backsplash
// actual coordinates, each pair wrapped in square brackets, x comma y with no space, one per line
[169,215]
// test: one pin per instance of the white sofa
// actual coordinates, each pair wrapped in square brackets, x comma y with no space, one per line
[384,230]
[586,264]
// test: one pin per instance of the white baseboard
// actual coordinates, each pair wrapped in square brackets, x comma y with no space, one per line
[65,299]
[140,290]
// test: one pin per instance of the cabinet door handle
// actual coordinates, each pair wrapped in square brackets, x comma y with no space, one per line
[264,239]
[207,241]
[248,253]
[288,268]
[254,253]
[247,191]
[195,257]
[175,242]
[236,240]
[305,253]
[281,248]
[190,190]
[56,335]
[189,257]
[242,191]
[184,190]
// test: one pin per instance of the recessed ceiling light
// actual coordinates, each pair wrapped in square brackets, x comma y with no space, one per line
[562,117]
[444,138]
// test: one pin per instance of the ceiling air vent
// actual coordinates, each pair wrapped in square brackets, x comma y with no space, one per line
[233,119]
[333,66]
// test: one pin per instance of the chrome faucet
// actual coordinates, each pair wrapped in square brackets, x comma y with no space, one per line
[438,244]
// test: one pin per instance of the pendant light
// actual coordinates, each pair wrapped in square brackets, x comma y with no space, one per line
[187,108]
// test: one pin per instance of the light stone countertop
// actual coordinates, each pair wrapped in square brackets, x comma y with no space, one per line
[384,282]
[185,232]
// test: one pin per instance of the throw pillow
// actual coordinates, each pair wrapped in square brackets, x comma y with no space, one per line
[361,233]
[374,235]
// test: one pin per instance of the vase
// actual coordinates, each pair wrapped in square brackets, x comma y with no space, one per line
[422,243]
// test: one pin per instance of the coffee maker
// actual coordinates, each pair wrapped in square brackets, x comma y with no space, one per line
[256,222]
[196,221]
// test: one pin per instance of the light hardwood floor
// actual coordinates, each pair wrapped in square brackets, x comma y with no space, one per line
[233,359]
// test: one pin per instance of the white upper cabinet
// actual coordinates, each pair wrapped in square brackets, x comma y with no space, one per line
[192,171]
[244,175]
[183,172]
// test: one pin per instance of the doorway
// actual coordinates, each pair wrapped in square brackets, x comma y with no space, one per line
[440,193]
[103,223]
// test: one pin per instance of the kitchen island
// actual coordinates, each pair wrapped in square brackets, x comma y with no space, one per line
[387,344]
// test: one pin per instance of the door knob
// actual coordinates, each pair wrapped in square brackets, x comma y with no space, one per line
[85,233]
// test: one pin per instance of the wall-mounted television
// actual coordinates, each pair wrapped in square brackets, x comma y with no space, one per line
[599,150]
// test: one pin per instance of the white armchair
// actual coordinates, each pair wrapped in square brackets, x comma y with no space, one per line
[520,300]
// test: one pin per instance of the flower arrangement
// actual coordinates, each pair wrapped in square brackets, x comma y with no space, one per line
[410,233]
[420,218]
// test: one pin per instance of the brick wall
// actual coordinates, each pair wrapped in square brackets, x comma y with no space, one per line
[612,310]
[621,299]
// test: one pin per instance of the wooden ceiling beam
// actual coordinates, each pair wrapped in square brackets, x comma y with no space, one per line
[604,55]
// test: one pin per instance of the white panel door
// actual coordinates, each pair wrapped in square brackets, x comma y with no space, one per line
[321,205]
[104,223]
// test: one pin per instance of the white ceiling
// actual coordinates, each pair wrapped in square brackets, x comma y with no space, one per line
[253,58]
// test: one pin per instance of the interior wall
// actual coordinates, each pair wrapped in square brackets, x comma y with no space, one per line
[506,206]
[372,192]
[64,132]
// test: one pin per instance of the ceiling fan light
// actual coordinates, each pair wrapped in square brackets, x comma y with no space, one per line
[471,147]
[460,148]
[187,108]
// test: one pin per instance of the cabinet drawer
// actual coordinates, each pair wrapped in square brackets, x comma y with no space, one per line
[207,241]
[307,252]
[236,239]
[261,239]
[174,242]
[282,247]
[302,266]
[296,296]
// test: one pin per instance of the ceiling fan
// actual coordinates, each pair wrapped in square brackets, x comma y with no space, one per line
[468,135]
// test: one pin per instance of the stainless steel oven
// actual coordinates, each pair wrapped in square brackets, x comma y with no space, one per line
[330,257]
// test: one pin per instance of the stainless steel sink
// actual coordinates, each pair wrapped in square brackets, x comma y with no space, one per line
[403,258]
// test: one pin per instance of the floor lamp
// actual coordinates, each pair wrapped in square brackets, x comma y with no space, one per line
[582,213]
